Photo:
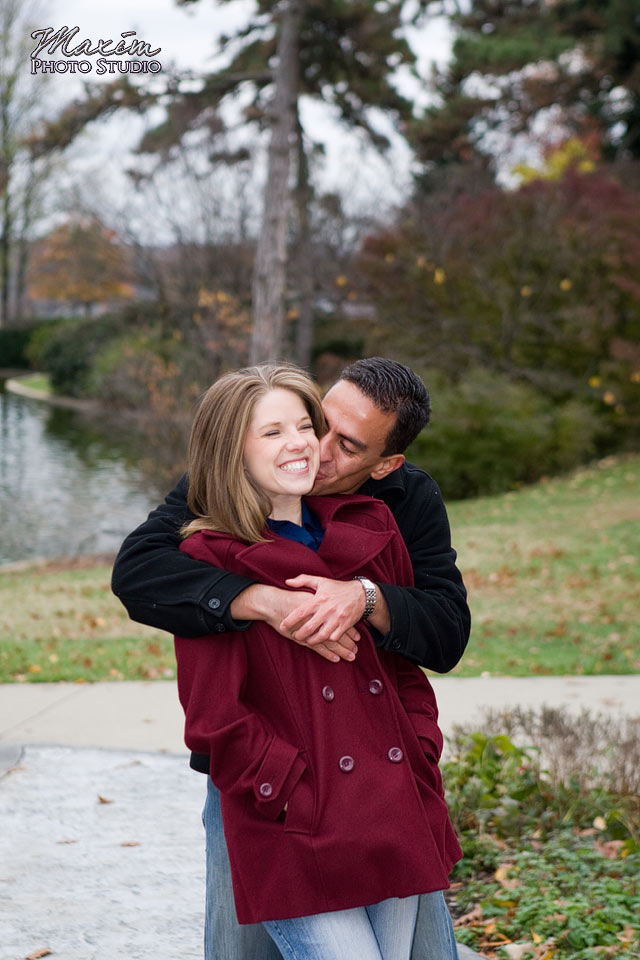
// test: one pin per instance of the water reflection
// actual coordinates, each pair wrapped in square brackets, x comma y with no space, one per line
[70,483]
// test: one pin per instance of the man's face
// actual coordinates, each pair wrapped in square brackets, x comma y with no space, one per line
[351,451]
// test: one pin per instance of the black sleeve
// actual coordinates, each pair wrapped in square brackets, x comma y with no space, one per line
[430,622]
[164,587]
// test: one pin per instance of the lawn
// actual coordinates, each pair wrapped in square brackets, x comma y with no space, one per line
[552,572]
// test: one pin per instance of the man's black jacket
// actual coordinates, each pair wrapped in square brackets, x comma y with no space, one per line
[430,622]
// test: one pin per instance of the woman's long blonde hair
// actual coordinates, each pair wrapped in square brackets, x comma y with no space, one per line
[222,495]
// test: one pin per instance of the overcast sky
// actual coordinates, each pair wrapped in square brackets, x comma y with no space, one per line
[187,36]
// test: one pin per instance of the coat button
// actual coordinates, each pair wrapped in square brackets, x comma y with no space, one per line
[375,687]
[328,694]
[219,628]
[395,643]
[266,789]
[346,764]
[214,603]
[395,755]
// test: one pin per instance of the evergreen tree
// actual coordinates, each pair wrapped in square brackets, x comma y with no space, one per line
[513,60]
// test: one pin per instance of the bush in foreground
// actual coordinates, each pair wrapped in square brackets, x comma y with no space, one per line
[551,842]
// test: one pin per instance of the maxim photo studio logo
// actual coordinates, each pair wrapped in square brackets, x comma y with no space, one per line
[128,54]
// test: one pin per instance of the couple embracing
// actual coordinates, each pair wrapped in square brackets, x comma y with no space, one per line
[307,573]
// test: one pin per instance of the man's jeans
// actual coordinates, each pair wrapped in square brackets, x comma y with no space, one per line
[226,939]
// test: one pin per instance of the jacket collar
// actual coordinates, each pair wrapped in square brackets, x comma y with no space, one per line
[345,550]
[393,483]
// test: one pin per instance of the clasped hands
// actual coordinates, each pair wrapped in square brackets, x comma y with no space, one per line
[324,619]
[316,612]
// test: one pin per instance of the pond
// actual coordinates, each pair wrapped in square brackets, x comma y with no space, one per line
[70,483]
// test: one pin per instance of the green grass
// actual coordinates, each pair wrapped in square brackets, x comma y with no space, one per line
[37,381]
[552,573]
[73,628]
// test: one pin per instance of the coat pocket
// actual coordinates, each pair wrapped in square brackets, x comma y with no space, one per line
[299,815]
[429,735]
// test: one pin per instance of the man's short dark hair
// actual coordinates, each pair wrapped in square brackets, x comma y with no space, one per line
[393,388]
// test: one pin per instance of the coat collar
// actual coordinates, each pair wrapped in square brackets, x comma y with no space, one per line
[346,549]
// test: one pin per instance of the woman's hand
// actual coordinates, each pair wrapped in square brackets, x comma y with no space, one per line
[275,606]
[326,615]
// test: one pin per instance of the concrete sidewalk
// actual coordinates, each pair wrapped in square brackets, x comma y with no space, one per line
[147,715]
[101,845]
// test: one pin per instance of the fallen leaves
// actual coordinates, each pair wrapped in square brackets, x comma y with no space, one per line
[43,952]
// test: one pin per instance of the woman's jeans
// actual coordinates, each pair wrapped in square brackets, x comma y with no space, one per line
[226,939]
[383,931]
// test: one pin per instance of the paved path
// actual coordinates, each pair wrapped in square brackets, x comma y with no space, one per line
[147,716]
[101,846]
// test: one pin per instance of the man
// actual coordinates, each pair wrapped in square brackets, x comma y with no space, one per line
[374,411]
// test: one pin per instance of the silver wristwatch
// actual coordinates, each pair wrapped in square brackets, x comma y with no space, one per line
[369,596]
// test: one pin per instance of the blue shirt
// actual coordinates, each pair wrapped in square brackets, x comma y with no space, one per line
[310,533]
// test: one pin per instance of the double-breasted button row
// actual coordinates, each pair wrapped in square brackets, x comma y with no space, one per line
[347,763]
[375,688]
[265,790]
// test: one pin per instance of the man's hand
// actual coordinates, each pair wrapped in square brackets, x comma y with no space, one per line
[273,605]
[330,613]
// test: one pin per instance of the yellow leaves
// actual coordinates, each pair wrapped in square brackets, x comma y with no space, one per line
[35,668]
[635,376]
[594,382]
[439,276]
[341,280]
[526,291]
[565,284]
[104,799]
[609,398]
[573,154]
[37,954]
[502,876]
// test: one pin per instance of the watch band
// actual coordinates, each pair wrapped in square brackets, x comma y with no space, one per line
[370,596]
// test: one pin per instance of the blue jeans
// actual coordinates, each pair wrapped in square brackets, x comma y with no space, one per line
[383,931]
[226,939]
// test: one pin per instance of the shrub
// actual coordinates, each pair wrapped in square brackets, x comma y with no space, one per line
[490,434]
[67,348]
[14,345]
[550,834]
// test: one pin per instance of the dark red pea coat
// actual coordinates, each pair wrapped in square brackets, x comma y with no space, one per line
[351,748]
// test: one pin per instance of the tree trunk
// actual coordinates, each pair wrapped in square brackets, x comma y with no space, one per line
[269,274]
[304,264]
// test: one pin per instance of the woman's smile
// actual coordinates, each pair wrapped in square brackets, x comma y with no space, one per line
[281,452]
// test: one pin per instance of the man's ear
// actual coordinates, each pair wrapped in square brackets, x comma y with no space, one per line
[386,466]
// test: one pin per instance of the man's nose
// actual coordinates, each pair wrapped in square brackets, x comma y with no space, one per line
[325,449]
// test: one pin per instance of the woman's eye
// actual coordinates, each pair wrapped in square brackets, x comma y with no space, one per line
[307,426]
[272,433]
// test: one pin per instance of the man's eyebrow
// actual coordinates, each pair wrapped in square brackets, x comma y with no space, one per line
[356,443]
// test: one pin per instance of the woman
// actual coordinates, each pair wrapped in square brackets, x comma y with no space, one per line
[332,801]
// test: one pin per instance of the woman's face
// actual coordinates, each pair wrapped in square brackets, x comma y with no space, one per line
[281,451]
